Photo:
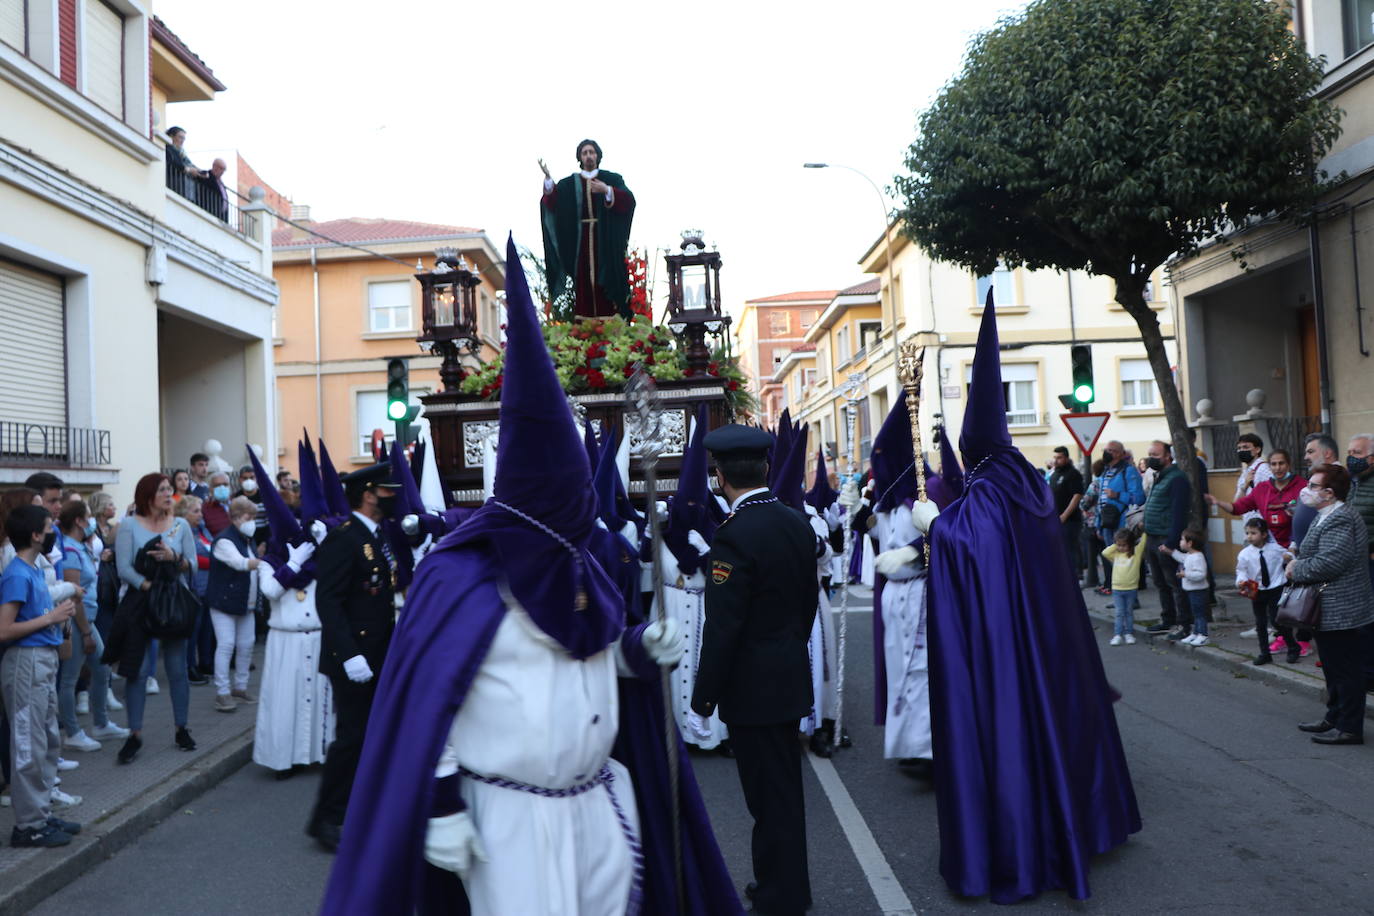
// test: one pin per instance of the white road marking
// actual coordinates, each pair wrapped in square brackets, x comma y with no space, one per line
[892,900]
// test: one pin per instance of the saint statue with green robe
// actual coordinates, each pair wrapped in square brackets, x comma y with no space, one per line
[586,219]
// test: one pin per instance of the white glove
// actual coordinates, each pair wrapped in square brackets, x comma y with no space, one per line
[319,531]
[452,843]
[358,670]
[665,642]
[661,511]
[922,514]
[297,556]
[696,540]
[891,561]
[849,495]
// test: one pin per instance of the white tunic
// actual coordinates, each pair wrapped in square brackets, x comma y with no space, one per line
[296,707]
[820,647]
[685,600]
[537,716]
[905,650]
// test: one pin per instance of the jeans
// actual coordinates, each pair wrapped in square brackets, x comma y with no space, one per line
[233,637]
[1125,601]
[1197,601]
[67,675]
[149,668]
[1173,606]
[174,658]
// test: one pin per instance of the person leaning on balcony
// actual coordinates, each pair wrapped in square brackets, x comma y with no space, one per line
[181,172]
[214,197]
[1335,556]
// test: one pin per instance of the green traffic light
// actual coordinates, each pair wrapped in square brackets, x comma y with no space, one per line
[1083,394]
[396,410]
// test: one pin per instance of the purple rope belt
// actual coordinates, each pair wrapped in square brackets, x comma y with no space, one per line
[603,778]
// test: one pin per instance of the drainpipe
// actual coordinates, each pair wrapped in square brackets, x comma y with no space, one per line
[319,384]
[1355,275]
[1319,313]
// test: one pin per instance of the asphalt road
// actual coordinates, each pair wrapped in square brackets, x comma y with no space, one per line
[1242,814]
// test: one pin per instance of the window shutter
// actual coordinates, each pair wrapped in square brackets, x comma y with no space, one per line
[12,23]
[105,57]
[33,369]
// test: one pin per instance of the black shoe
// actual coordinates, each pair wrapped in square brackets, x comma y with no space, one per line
[1264,659]
[283,775]
[751,889]
[185,741]
[1179,634]
[45,837]
[844,740]
[820,744]
[68,827]
[1293,656]
[326,834]
[725,749]
[1321,725]
[1160,627]
[130,749]
[917,768]
[1335,737]
[196,679]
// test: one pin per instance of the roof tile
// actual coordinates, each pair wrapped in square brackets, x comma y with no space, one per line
[360,230]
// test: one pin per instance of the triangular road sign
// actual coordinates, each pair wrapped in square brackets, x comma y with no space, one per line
[1085,427]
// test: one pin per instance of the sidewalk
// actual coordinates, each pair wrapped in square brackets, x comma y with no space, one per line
[121,802]
[1226,649]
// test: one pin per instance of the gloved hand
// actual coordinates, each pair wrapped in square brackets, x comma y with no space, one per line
[358,670]
[661,512]
[665,642]
[922,514]
[891,561]
[452,843]
[849,495]
[296,557]
[696,540]
[319,530]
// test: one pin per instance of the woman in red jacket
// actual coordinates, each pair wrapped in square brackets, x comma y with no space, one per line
[1273,500]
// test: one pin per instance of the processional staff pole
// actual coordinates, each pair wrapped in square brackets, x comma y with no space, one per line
[850,390]
[641,397]
[910,364]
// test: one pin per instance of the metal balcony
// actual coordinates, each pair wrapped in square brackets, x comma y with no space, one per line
[26,444]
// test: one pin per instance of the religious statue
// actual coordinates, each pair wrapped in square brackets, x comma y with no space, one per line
[586,219]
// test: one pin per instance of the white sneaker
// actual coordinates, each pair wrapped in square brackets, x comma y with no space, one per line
[1130,640]
[81,742]
[109,730]
[111,701]
[150,688]
[83,703]
[61,801]
[1115,641]
[1200,639]
[1249,634]
[65,764]
[5,800]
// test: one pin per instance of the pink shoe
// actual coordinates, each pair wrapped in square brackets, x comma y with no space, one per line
[1306,648]
[1278,645]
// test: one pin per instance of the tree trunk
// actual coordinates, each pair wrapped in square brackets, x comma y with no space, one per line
[1130,293]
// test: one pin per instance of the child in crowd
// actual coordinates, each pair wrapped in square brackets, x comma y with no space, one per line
[1192,569]
[1125,559]
[32,627]
[1260,577]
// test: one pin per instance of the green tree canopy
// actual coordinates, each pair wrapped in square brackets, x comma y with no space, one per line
[1108,135]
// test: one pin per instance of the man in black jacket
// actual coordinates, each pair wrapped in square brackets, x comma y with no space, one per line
[355,569]
[761,600]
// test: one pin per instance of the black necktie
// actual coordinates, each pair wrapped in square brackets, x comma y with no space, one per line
[1264,571]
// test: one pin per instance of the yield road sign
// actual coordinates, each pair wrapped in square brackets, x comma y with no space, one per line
[1085,428]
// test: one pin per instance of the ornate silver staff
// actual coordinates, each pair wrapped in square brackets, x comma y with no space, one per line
[641,397]
[850,390]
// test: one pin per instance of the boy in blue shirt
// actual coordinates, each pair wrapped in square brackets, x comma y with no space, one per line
[32,629]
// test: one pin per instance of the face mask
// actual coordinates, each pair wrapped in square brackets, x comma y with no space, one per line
[1309,498]
[1154,464]
[221,493]
[1244,458]
[247,528]
[387,505]
[1356,466]
[89,529]
[1284,476]
[250,486]
[318,531]
[49,541]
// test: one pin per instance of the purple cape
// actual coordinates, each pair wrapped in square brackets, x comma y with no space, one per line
[1030,777]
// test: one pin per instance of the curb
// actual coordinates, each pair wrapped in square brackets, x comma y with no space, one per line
[102,838]
[1239,664]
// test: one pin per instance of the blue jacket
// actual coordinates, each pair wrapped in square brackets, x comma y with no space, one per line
[1123,478]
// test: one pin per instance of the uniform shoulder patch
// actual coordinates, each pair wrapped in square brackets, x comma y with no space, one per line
[720,571]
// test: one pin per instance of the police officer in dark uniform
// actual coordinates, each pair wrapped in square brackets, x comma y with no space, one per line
[761,598]
[354,598]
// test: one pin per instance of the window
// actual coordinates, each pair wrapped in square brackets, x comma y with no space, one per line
[1358,18]
[808,318]
[828,431]
[1149,292]
[842,346]
[388,306]
[1000,282]
[1137,385]
[104,48]
[822,361]
[1019,381]
[777,324]
[868,334]
[12,24]
[777,359]
[800,386]
[808,377]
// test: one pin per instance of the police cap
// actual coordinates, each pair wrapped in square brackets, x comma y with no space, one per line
[738,441]
[374,475]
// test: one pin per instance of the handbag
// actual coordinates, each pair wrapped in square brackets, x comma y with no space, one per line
[1108,515]
[1135,518]
[1300,606]
[171,610]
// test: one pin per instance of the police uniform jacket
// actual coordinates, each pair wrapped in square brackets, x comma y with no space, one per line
[353,598]
[761,596]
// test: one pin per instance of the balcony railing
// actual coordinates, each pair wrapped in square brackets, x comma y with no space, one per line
[211,196]
[41,445]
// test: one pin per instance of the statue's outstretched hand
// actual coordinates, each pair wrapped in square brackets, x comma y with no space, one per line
[452,843]
[545,169]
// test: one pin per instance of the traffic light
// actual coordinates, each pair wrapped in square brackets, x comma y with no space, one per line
[1081,356]
[397,389]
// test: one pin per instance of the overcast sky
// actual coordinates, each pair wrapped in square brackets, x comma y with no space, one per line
[436,111]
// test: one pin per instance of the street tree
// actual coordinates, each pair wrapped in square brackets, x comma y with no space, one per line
[1110,135]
